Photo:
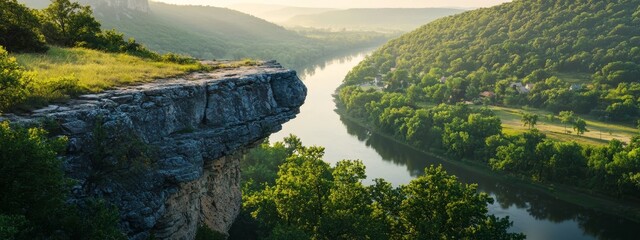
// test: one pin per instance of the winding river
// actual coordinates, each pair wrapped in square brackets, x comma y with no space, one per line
[537,215]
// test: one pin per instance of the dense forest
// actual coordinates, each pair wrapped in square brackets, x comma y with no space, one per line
[560,55]
[476,134]
[289,192]
[433,76]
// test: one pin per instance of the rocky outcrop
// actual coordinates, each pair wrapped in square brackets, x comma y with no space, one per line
[167,153]
[135,5]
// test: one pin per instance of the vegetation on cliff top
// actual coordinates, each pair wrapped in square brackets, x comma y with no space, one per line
[36,73]
[63,73]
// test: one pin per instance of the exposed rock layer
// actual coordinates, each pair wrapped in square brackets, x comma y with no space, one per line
[193,127]
[136,5]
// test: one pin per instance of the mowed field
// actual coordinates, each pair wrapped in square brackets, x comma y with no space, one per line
[599,132]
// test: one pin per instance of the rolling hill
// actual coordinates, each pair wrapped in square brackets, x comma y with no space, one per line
[276,13]
[577,55]
[218,33]
[385,19]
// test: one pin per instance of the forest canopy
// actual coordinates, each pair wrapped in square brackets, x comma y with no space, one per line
[578,55]
[291,193]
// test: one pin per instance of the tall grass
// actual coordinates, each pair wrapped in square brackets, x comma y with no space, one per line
[97,71]
[63,73]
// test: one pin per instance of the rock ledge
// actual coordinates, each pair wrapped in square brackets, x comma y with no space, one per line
[196,126]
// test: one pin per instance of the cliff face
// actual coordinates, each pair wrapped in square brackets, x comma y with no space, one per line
[135,5]
[167,153]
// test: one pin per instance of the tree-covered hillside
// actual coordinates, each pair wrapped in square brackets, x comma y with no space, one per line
[579,55]
[220,33]
[385,19]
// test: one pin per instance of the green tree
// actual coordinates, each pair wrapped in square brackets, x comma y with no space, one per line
[19,28]
[566,117]
[580,126]
[68,23]
[311,200]
[438,206]
[529,119]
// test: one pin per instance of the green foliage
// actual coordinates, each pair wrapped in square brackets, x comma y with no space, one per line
[63,73]
[70,24]
[13,226]
[529,119]
[465,132]
[60,77]
[459,129]
[312,200]
[19,28]
[33,184]
[437,201]
[94,219]
[116,154]
[205,233]
[218,33]
[490,49]
[13,81]
[580,126]
[34,192]
[567,117]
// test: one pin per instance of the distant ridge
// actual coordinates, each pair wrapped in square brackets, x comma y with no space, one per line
[277,13]
[399,19]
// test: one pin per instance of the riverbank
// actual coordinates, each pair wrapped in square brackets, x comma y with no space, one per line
[579,196]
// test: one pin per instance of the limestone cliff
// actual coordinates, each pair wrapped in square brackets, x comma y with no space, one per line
[192,131]
[134,5]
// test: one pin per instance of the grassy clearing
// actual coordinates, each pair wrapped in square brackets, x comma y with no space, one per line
[95,70]
[599,132]
[574,78]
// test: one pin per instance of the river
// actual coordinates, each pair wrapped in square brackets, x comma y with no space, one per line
[537,215]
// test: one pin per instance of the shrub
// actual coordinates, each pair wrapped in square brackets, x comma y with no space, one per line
[32,183]
[205,233]
[177,58]
[13,81]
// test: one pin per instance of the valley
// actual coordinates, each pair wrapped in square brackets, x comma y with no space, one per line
[172,119]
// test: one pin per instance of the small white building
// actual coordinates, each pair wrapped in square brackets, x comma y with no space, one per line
[519,88]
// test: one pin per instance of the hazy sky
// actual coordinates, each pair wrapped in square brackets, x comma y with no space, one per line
[349,3]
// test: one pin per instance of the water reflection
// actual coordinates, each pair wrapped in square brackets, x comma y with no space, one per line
[538,216]
[537,210]
[320,64]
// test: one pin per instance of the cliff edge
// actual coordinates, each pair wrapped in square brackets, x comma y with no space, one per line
[167,153]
